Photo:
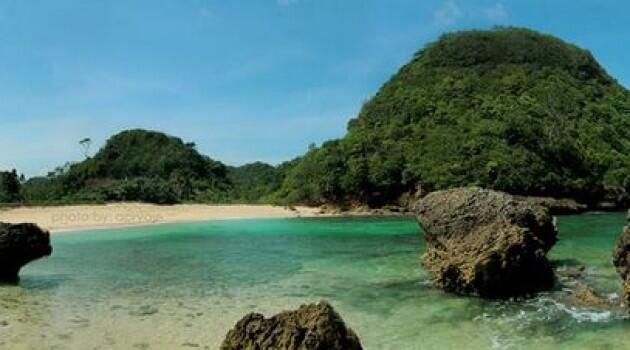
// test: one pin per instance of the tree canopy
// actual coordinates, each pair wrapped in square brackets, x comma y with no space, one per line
[136,165]
[10,187]
[508,109]
[254,182]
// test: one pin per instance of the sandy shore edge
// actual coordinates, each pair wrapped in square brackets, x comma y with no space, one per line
[73,218]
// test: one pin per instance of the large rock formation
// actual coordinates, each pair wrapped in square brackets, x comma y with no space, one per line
[621,259]
[19,245]
[486,243]
[311,327]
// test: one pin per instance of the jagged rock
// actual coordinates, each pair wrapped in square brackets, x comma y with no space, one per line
[311,327]
[621,259]
[486,243]
[19,245]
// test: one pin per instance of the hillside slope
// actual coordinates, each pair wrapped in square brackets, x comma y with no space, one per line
[136,165]
[508,109]
[253,182]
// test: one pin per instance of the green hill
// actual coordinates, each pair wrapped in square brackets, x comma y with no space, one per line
[509,109]
[254,182]
[136,165]
[149,166]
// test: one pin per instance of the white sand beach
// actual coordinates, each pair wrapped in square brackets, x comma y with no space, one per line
[80,217]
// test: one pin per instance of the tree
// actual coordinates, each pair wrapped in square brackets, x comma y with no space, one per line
[86,143]
[9,187]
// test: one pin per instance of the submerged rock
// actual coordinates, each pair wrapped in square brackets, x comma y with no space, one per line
[311,327]
[145,310]
[19,245]
[570,273]
[584,295]
[486,243]
[621,259]
[573,281]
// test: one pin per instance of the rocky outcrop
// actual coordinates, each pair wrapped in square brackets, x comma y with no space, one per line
[621,259]
[19,245]
[311,327]
[486,243]
[613,198]
[557,206]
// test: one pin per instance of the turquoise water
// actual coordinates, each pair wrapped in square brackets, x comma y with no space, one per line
[183,286]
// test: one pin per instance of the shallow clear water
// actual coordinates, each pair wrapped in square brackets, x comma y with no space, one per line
[183,286]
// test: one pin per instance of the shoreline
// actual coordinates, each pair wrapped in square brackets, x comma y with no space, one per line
[74,218]
[89,217]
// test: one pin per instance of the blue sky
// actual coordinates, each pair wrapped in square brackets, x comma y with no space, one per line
[245,80]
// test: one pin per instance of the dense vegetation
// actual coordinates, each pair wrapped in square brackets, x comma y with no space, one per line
[509,109]
[10,187]
[135,165]
[149,166]
[254,182]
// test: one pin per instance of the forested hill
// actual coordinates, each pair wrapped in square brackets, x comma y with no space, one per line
[147,166]
[509,109]
[136,165]
[254,182]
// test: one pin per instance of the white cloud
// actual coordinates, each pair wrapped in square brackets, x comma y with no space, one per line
[496,12]
[448,14]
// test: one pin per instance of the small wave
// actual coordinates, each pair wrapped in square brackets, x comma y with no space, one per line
[545,309]
[612,296]
[499,343]
[425,283]
[581,315]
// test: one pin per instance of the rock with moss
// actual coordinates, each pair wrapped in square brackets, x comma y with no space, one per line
[621,259]
[486,243]
[310,327]
[19,245]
